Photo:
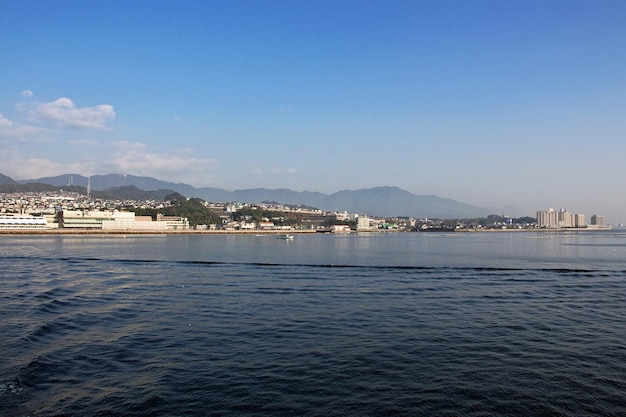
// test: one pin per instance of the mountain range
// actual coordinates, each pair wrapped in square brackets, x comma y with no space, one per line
[379,201]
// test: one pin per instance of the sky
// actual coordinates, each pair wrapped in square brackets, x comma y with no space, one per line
[500,104]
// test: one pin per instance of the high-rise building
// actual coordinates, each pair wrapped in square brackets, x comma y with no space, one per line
[597,220]
[550,219]
[547,219]
[565,218]
[580,220]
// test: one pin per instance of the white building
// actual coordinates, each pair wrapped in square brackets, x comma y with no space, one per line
[340,228]
[550,219]
[247,226]
[565,218]
[363,223]
[23,222]
[580,220]
[145,223]
[79,219]
[266,225]
[119,220]
[173,222]
[598,221]
[547,219]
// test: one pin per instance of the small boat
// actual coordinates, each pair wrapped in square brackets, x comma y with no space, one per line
[285,237]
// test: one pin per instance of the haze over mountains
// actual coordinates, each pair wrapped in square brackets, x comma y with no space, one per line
[379,201]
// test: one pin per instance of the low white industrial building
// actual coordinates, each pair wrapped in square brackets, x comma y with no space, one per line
[119,220]
[23,222]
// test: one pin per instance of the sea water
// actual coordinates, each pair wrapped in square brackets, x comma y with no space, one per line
[459,324]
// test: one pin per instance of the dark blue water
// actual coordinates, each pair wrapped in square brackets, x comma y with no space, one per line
[400,324]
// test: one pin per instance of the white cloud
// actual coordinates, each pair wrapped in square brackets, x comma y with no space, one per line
[126,157]
[64,113]
[60,113]
[137,159]
[18,166]
[4,122]
[13,130]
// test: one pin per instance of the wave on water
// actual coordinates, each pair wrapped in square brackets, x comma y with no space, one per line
[191,330]
[479,269]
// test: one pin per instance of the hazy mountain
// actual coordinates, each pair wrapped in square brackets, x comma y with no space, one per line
[103,182]
[33,187]
[380,201]
[393,201]
[6,180]
[282,195]
[130,192]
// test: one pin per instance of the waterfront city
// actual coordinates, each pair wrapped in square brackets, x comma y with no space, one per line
[67,211]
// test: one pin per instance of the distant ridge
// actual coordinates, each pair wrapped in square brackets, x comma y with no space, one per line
[379,201]
[6,180]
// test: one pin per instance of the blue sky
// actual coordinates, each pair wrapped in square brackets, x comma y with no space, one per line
[492,103]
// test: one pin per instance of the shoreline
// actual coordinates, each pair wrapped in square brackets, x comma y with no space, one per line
[148,232]
[82,232]
[538,230]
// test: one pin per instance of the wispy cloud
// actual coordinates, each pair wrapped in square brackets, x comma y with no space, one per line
[138,159]
[126,157]
[45,118]
[64,113]
[13,130]
[53,119]
[18,166]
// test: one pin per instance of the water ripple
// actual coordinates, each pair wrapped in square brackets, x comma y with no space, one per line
[113,335]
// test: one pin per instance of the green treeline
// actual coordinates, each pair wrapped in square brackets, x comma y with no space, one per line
[193,209]
[197,213]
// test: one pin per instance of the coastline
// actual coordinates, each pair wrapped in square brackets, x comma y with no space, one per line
[147,232]
[537,230]
[83,232]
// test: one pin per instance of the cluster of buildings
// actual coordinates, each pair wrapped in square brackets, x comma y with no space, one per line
[109,220]
[563,219]
[311,220]
[68,210]
[51,202]
[73,211]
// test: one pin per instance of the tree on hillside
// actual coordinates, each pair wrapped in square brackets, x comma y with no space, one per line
[193,209]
